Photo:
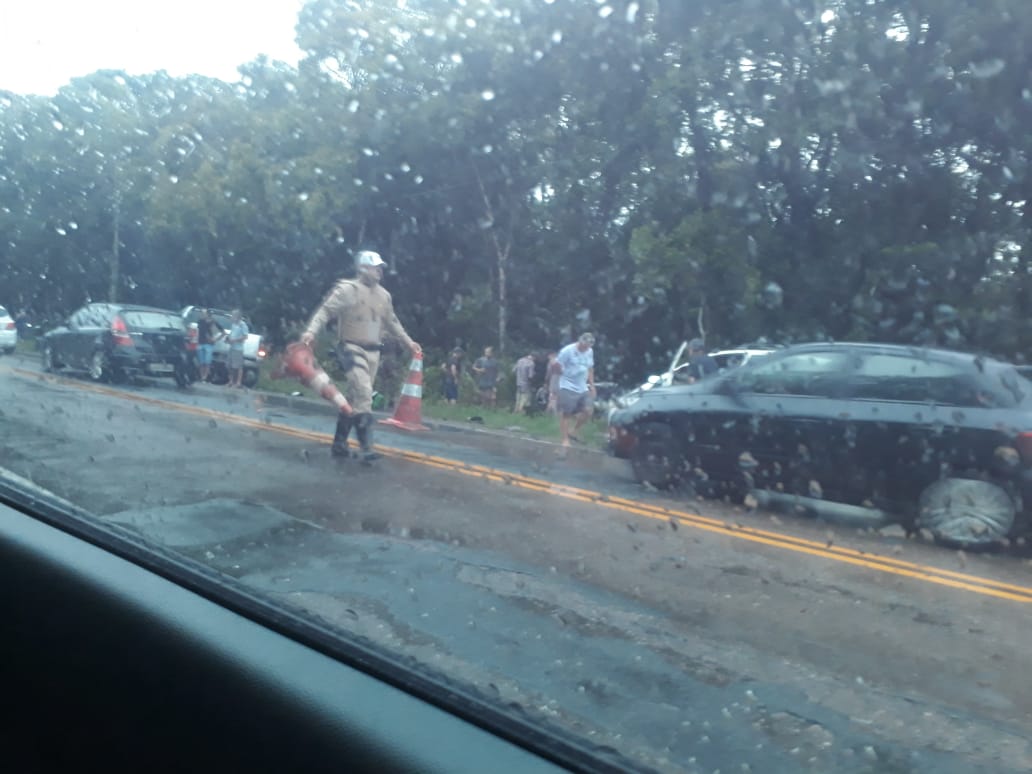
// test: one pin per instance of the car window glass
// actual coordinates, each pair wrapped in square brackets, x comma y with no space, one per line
[1012,388]
[810,373]
[77,319]
[93,316]
[917,379]
[146,320]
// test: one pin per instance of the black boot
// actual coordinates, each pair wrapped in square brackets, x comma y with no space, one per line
[340,437]
[364,431]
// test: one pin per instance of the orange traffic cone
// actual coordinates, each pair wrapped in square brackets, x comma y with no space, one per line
[408,415]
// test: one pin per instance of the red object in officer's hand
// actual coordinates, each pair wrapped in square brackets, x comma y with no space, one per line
[298,361]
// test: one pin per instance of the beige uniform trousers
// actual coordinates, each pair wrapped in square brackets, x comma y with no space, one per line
[361,377]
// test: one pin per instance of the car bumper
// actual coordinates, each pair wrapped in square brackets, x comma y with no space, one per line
[8,339]
[147,365]
[621,442]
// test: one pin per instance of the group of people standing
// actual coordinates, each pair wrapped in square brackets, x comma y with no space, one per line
[209,333]
[568,389]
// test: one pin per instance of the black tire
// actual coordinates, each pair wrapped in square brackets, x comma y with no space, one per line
[966,513]
[9,350]
[250,377]
[99,369]
[218,373]
[657,459]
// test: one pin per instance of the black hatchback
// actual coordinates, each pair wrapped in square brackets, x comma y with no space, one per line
[115,342]
[939,439]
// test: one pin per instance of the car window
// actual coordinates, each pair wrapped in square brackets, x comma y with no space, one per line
[1008,387]
[84,318]
[818,374]
[915,379]
[3,312]
[138,319]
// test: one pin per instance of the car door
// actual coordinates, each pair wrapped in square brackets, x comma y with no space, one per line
[91,325]
[63,341]
[790,411]
[920,418]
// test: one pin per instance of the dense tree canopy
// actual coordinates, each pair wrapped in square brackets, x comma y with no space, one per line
[798,169]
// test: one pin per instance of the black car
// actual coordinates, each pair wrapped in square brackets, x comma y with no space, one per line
[939,438]
[114,342]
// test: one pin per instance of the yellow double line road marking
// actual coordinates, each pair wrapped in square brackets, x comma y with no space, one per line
[899,567]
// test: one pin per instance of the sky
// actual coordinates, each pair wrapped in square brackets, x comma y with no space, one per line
[46,43]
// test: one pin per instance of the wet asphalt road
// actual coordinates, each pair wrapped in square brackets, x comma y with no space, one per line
[690,635]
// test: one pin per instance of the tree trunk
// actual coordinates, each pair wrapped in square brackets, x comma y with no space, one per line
[502,262]
[114,261]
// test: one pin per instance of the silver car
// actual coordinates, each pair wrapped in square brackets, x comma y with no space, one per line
[8,332]
[725,358]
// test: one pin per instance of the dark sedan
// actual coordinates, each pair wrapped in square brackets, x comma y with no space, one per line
[941,440]
[114,342]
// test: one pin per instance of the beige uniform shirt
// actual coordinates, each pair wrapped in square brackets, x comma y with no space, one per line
[364,313]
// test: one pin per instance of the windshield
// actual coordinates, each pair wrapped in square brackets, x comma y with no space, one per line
[142,320]
[484,244]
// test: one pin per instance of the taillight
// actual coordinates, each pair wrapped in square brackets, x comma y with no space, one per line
[119,333]
[261,351]
[10,326]
[191,337]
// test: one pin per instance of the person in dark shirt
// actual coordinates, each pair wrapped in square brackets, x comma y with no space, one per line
[208,332]
[700,365]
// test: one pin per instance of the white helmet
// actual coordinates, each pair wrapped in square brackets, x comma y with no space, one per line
[365,258]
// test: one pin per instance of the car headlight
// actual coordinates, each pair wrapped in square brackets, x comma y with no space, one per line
[621,403]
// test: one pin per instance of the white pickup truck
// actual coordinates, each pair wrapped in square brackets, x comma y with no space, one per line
[254,348]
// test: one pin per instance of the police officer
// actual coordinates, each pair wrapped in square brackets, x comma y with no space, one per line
[364,312]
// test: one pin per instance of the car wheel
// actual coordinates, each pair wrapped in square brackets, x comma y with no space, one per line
[250,377]
[965,513]
[219,374]
[48,359]
[9,350]
[99,369]
[656,459]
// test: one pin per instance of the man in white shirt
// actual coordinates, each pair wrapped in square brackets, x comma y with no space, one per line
[576,385]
